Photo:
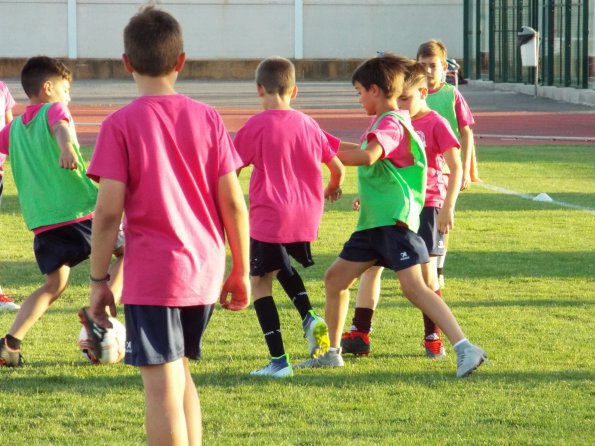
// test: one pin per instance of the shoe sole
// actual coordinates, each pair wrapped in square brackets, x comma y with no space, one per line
[470,371]
[322,340]
[356,353]
[95,333]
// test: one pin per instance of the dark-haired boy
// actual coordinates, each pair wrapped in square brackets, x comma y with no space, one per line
[57,199]
[167,163]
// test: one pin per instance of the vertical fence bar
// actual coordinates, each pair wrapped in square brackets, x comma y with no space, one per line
[492,40]
[466,36]
[585,48]
[478,54]
[567,43]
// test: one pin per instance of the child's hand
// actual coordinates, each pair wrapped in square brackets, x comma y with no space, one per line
[239,287]
[101,300]
[446,220]
[355,203]
[68,158]
[466,181]
[332,194]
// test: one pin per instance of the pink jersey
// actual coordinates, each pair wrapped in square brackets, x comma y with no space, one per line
[437,136]
[170,152]
[6,104]
[286,148]
[393,138]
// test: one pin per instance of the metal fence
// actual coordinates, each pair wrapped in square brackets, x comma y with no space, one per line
[566,53]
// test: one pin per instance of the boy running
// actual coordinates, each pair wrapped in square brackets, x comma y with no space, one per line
[57,199]
[391,186]
[436,219]
[167,163]
[286,148]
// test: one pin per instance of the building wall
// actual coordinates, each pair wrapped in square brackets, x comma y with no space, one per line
[235,29]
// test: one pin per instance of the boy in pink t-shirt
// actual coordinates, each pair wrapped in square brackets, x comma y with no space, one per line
[7,102]
[436,219]
[286,148]
[167,163]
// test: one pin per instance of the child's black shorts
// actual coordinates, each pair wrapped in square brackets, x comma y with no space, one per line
[428,231]
[65,245]
[157,335]
[267,257]
[394,247]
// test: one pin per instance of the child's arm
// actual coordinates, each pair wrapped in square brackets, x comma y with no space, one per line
[67,154]
[446,215]
[8,117]
[235,221]
[343,146]
[467,153]
[367,157]
[332,192]
[106,223]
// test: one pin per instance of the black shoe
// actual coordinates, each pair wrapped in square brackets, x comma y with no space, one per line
[95,333]
[8,356]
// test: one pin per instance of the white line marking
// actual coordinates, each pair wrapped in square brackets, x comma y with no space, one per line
[531,197]
[537,137]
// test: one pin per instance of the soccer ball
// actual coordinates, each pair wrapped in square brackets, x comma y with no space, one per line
[112,346]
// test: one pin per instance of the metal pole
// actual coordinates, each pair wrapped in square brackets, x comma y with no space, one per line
[536,76]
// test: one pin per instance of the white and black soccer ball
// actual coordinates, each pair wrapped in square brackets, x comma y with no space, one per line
[112,346]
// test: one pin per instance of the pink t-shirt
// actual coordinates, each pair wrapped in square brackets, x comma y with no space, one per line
[6,104]
[392,136]
[286,148]
[437,136]
[170,152]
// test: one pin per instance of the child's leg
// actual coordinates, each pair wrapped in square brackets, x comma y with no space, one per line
[368,295]
[171,405]
[337,280]
[416,290]
[266,311]
[431,278]
[38,302]
[293,285]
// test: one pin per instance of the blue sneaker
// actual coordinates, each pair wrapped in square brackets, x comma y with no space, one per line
[316,331]
[278,368]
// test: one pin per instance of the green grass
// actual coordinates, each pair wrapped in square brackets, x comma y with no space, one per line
[520,279]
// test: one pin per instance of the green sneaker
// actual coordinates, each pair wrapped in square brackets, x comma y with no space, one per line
[316,331]
[278,368]
[469,358]
[329,359]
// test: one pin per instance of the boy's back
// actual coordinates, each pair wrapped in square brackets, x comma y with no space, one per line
[286,148]
[170,152]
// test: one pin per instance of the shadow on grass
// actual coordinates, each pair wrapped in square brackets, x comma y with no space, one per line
[485,202]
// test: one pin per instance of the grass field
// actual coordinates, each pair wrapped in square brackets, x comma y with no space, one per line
[519,278]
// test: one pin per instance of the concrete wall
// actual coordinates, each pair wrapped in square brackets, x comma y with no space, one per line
[235,29]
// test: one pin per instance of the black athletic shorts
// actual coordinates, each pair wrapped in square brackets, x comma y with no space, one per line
[428,231]
[157,335]
[267,257]
[393,247]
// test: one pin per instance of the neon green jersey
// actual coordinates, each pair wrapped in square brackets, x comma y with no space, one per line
[443,101]
[389,193]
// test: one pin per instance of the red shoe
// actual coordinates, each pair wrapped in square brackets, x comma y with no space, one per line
[6,303]
[356,342]
[434,348]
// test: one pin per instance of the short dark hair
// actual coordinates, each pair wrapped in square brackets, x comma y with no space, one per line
[432,48]
[153,41]
[39,69]
[276,75]
[387,71]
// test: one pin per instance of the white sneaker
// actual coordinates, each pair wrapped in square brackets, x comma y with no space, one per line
[316,331]
[469,358]
[275,369]
[6,303]
[329,359]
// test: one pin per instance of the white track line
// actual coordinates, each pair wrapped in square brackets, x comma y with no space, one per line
[531,197]
[536,137]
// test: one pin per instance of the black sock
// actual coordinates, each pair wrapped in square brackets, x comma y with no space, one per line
[268,317]
[12,342]
[295,289]
[362,319]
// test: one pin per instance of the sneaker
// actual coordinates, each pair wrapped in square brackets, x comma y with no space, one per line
[329,359]
[8,356]
[277,368]
[95,333]
[434,347]
[469,357]
[356,342]
[316,331]
[6,303]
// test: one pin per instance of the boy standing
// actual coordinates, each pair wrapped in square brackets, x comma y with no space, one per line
[391,186]
[57,199]
[167,163]
[6,104]
[286,148]
[436,219]
[448,101]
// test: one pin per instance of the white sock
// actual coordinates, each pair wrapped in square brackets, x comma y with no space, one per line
[460,342]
